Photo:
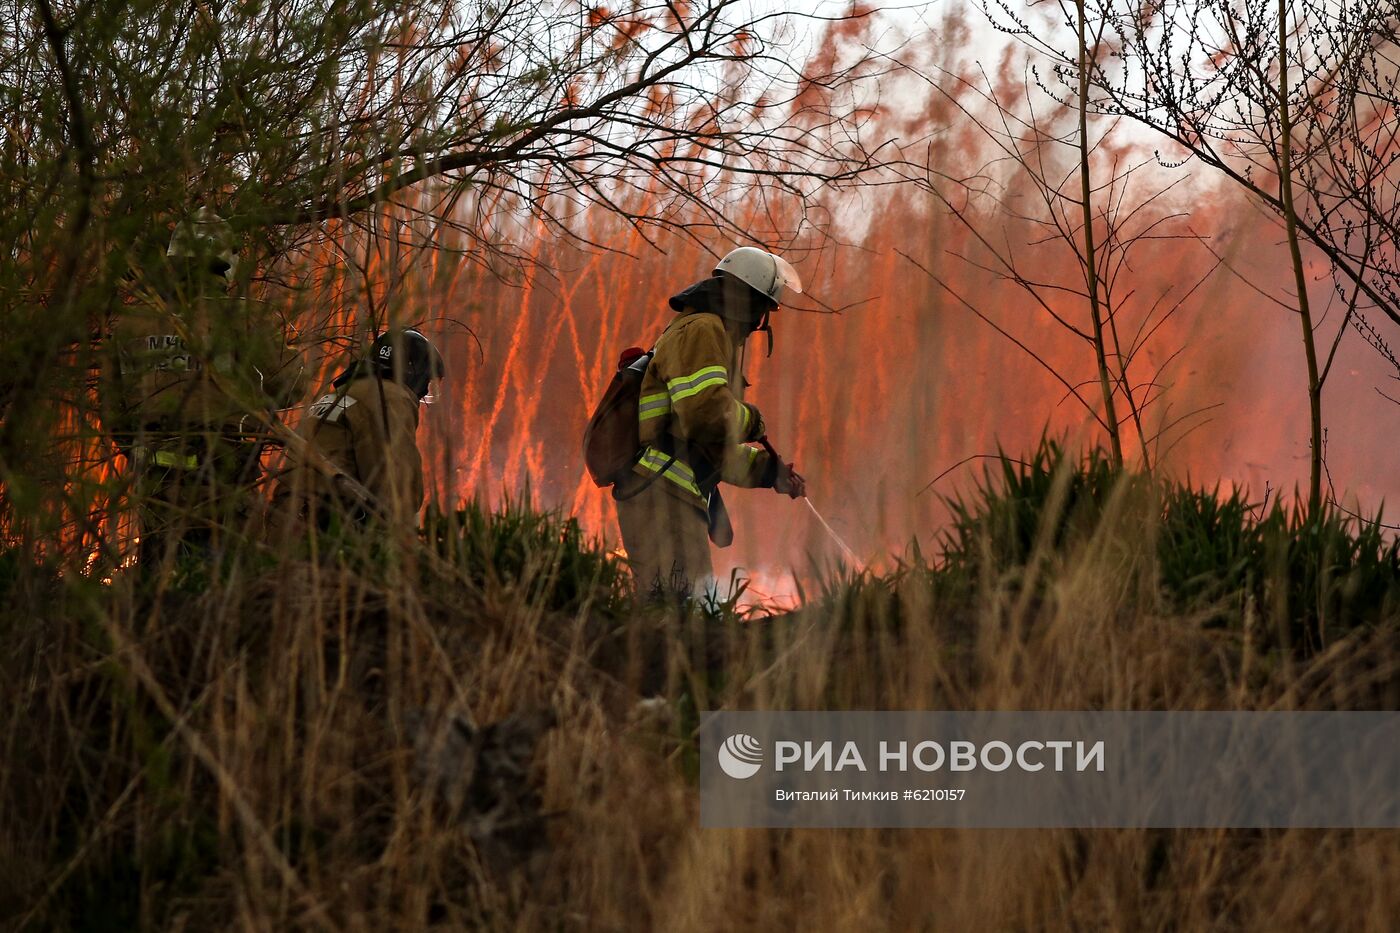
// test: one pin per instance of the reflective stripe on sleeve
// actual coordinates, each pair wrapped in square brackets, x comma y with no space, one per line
[654,406]
[745,418]
[697,382]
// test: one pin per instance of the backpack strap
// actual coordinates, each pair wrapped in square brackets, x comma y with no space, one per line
[670,451]
[647,481]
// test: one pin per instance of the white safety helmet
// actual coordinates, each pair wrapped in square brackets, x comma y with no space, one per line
[761,270]
[205,235]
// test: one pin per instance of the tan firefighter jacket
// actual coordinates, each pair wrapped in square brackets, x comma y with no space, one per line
[178,368]
[368,429]
[692,407]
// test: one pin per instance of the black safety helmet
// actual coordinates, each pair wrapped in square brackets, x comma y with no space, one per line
[407,357]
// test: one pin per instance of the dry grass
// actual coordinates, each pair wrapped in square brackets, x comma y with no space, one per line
[398,739]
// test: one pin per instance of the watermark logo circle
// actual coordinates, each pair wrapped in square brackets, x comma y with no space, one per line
[740,756]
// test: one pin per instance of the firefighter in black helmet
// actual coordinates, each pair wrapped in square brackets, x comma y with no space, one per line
[367,428]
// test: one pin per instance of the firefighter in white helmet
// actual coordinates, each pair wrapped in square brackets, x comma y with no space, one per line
[696,429]
[190,369]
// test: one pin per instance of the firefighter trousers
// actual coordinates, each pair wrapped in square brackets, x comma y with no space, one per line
[192,493]
[667,542]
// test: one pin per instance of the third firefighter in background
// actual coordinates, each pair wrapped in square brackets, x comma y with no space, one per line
[366,429]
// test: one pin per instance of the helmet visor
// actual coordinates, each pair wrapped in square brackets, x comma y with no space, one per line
[787,275]
[434,391]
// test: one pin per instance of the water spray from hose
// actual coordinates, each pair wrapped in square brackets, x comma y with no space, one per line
[845,548]
[850,554]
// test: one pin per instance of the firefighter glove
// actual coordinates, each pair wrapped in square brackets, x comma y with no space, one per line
[790,482]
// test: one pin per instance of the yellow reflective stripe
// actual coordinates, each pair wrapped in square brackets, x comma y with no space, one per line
[752,452]
[744,418]
[699,387]
[166,458]
[697,382]
[653,406]
[677,472]
[655,459]
[682,381]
